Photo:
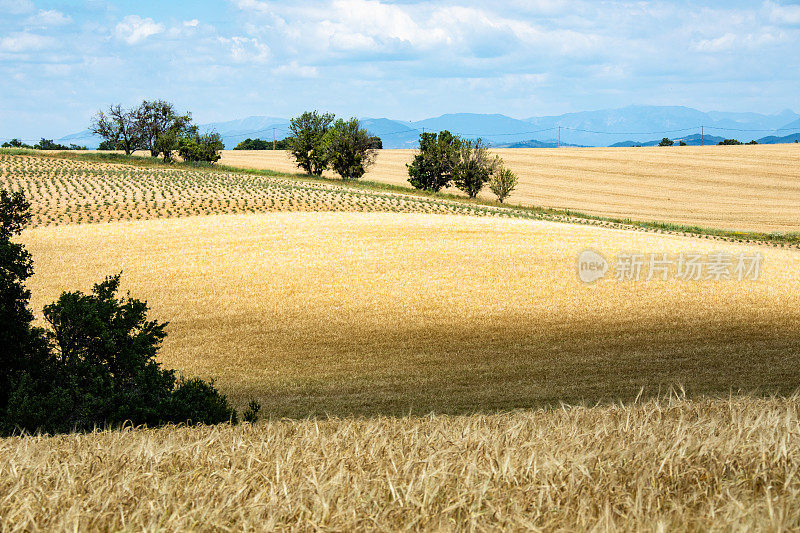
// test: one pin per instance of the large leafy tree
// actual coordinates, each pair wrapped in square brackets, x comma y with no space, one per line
[162,127]
[18,337]
[474,167]
[432,167]
[305,140]
[119,127]
[348,149]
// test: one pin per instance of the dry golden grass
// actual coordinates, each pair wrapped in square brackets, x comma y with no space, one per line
[752,188]
[709,465]
[363,313]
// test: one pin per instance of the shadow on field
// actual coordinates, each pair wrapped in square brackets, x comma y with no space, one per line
[424,370]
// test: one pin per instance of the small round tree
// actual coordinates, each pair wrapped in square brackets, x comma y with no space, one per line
[348,149]
[474,167]
[502,183]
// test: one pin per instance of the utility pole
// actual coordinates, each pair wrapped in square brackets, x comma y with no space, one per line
[702,136]
[273,139]
[559,136]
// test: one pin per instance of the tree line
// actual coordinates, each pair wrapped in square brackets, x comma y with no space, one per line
[158,127]
[319,142]
[43,144]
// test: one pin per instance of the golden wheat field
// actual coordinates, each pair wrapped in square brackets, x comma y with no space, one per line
[432,350]
[751,188]
[669,465]
[362,313]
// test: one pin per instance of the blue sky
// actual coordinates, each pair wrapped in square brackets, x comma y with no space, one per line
[60,61]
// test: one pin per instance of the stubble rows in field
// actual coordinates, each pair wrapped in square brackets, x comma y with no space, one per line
[65,191]
[750,188]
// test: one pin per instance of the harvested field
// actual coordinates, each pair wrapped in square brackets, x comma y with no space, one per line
[750,188]
[710,465]
[66,191]
[365,313]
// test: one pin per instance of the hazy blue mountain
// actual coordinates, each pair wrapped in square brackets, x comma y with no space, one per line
[532,143]
[606,127]
[754,120]
[691,140]
[393,133]
[494,129]
[642,124]
[256,127]
[772,139]
[82,138]
[790,127]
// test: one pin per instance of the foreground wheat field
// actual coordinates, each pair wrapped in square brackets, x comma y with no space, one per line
[708,465]
[752,188]
[363,313]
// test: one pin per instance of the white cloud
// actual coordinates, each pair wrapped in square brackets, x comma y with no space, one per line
[293,70]
[720,44]
[49,18]
[25,42]
[191,23]
[780,14]
[246,50]
[134,29]
[16,7]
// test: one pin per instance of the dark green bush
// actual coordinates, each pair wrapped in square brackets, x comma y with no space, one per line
[201,147]
[96,364]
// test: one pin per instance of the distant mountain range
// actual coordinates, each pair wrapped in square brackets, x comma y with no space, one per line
[627,126]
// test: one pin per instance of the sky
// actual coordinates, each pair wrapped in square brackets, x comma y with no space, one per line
[60,61]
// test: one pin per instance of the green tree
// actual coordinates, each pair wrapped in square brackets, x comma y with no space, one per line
[259,144]
[727,142]
[348,149]
[18,337]
[474,167]
[161,127]
[119,127]
[48,144]
[15,143]
[201,147]
[306,140]
[666,142]
[502,183]
[432,168]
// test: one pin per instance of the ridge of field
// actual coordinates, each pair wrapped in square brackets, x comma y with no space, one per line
[365,313]
[705,465]
[742,188]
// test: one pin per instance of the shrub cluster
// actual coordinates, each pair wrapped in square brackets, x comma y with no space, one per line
[318,143]
[95,363]
[260,144]
[43,144]
[445,159]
